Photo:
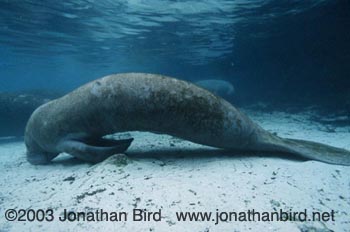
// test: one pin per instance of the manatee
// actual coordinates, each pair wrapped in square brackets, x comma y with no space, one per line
[221,88]
[78,122]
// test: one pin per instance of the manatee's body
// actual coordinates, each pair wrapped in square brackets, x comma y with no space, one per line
[76,122]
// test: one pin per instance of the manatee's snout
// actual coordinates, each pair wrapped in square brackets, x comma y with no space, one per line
[35,153]
[40,158]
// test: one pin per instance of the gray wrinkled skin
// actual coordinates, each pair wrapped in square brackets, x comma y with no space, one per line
[76,122]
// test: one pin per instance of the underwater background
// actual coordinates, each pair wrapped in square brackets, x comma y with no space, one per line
[278,55]
[283,63]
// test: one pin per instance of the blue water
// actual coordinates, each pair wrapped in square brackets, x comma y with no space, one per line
[277,52]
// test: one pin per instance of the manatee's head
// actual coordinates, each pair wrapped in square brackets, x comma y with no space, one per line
[51,130]
[36,154]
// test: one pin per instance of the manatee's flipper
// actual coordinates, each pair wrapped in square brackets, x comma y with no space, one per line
[94,149]
[317,151]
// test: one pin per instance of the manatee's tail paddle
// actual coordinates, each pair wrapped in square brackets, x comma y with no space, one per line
[318,151]
[307,149]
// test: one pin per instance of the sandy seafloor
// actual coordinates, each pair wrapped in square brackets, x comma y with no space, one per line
[162,172]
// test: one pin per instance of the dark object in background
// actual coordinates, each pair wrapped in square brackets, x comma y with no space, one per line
[219,87]
[16,108]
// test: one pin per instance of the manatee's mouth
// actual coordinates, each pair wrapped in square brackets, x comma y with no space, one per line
[40,157]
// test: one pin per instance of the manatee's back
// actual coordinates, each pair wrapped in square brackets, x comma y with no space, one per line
[150,102]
